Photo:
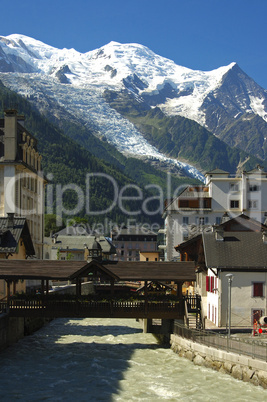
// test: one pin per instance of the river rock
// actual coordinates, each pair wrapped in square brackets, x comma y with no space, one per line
[255,379]
[189,355]
[237,372]
[247,374]
[217,365]
[199,360]
[228,367]
[182,353]
[214,364]
[208,362]
[262,375]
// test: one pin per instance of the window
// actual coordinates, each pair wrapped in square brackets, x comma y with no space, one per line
[147,259]
[234,187]
[218,220]
[234,204]
[252,204]
[257,289]
[122,252]
[256,315]
[185,220]
[202,220]
[185,235]
[254,187]
[211,284]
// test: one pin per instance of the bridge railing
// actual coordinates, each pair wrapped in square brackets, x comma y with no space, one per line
[75,307]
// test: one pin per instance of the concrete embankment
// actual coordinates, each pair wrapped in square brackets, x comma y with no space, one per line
[12,329]
[238,366]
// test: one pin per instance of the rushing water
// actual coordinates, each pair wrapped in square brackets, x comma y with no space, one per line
[108,360]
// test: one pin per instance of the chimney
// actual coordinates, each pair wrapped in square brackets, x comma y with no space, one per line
[10,220]
[10,135]
[219,235]
[225,218]
[54,238]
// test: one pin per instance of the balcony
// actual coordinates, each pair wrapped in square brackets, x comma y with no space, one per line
[195,203]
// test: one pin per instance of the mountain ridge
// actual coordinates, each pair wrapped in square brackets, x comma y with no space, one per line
[76,82]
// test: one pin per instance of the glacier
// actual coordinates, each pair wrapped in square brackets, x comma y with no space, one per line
[36,70]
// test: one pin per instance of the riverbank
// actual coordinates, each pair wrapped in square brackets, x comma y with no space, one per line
[12,329]
[238,366]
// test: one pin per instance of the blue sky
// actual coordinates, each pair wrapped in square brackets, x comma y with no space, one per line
[199,34]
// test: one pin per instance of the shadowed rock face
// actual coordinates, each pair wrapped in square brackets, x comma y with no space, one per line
[229,114]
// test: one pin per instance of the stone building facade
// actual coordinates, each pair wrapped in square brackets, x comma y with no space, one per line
[21,179]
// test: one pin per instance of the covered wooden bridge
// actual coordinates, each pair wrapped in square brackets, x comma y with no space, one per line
[105,271]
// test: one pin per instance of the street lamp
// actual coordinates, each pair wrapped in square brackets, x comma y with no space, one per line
[230,279]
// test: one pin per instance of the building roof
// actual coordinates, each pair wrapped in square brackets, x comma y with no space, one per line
[65,270]
[217,171]
[258,170]
[11,231]
[132,230]
[235,250]
[153,271]
[74,230]
[240,223]
[46,269]
[81,242]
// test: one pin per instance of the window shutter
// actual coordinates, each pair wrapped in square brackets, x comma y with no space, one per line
[258,289]
[212,284]
[207,283]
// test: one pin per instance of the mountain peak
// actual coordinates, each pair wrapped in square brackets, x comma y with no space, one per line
[77,81]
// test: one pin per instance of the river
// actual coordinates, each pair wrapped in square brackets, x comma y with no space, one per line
[108,360]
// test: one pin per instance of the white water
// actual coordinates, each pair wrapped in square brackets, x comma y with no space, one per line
[108,360]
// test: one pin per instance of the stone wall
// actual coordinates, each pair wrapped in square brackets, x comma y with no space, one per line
[238,366]
[12,329]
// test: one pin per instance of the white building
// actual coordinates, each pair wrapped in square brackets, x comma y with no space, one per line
[21,180]
[201,206]
[237,247]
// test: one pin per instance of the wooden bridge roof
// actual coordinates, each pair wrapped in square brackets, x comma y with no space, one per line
[153,271]
[68,270]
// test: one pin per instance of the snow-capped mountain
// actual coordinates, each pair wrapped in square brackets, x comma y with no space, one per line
[73,83]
